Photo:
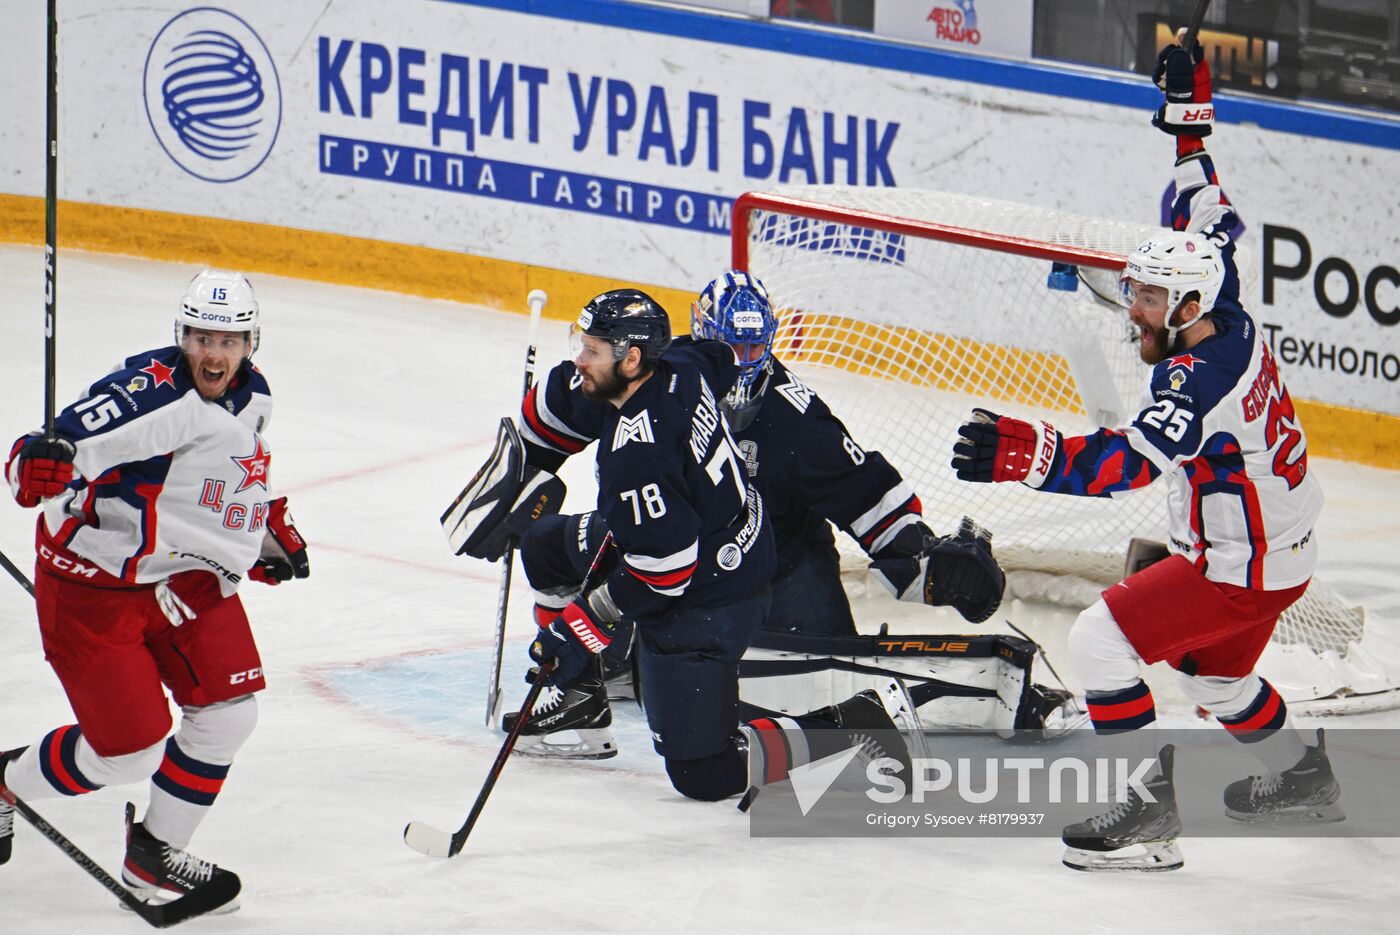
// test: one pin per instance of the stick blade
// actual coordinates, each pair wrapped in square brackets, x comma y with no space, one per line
[427,840]
[212,895]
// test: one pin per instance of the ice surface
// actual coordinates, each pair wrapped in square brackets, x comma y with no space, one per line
[385,405]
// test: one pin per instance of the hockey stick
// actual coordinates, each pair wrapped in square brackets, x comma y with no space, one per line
[51,229]
[16,574]
[424,838]
[202,899]
[536,300]
[1194,26]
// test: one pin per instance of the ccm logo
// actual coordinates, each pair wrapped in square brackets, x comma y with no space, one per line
[1198,116]
[66,564]
[238,678]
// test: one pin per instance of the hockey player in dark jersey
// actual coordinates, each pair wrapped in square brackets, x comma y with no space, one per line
[154,508]
[692,549]
[1218,426]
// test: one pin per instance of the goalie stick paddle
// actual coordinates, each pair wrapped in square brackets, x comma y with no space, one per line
[424,838]
[536,300]
[197,902]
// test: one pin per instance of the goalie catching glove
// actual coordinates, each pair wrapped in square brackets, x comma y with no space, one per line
[283,550]
[492,512]
[957,570]
[999,448]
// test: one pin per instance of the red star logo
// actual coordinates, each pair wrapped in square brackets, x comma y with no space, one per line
[162,374]
[254,466]
[1189,361]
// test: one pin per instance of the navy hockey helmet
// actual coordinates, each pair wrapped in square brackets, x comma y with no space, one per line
[627,318]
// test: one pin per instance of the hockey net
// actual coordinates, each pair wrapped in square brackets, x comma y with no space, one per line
[905,309]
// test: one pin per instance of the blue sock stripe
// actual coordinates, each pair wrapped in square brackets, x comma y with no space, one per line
[184,793]
[190,765]
[58,761]
[1261,698]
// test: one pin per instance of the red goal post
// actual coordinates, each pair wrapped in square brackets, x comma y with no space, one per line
[906,308]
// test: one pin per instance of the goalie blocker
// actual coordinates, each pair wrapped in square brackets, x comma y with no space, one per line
[491,514]
[957,682]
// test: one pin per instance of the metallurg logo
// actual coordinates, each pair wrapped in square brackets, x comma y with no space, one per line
[212,94]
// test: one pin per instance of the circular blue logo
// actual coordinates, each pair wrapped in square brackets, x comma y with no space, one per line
[212,94]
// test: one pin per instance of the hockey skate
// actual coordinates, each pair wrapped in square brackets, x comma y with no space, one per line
[571,723]
[156,872]
[1305,794]
[1134,834]
[877,721]
[7,811]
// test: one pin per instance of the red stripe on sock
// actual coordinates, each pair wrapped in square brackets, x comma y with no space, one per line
[190,780]
[775,764]
[1121,710]
[1265,715]
[55,757]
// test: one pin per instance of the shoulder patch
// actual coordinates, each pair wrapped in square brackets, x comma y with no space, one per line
[163,375]
[634,429]
[796,392]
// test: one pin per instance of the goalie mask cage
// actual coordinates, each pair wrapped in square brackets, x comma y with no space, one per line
[905,309]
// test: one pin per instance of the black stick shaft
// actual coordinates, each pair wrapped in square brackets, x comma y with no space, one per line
[51,228]
[1192,28]
[16,574]
[460,838]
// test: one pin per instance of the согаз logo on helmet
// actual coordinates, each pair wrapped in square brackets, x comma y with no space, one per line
[212,94]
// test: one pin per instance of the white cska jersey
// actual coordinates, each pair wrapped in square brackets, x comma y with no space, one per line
[1218,420]
[167,481]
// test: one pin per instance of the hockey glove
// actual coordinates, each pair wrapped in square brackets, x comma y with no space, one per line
[506,495]
[999,448]
[957,570]
[1185,78]
[45,469]
[283,550]
[570,642]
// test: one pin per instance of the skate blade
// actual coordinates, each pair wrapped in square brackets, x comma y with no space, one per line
[592,744]
[1298,815]
[159,897]
[1151,857]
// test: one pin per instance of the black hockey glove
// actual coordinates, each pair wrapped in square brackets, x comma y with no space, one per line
[570,641]
[1185,79]
[957,570]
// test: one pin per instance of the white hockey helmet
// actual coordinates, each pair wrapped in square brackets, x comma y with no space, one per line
[219,300]
[1180,263]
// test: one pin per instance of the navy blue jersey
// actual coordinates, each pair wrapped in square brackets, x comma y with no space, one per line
[688,526]
[809,470]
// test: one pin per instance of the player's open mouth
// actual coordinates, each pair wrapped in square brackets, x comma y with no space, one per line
[211,376]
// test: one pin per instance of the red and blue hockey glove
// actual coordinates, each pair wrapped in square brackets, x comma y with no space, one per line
[283,551]
[571,642]
[995,448]
[1185,78]
[45,469]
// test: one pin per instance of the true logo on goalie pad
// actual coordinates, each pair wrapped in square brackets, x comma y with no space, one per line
[637,428]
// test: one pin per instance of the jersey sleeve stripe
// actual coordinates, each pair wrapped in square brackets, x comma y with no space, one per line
[881,513]
[537,430]
[886,534]
[648,564]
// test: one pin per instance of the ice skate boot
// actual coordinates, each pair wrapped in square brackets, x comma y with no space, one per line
[571,723]
[1134,834]
[1304,794]
[7,811]
[156,872]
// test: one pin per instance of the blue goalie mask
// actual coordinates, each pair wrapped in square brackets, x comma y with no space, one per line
[734,308]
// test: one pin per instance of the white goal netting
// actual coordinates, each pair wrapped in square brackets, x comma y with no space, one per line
[905,309]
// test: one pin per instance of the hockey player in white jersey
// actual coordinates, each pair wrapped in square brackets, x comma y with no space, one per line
[155,506]
[1218,424]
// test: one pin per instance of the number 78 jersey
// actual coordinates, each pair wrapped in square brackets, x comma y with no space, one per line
[1219,421]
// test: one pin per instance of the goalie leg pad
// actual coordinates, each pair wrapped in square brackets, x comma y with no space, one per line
[501,502]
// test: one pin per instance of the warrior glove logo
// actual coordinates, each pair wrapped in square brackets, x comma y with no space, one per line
[212,95]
